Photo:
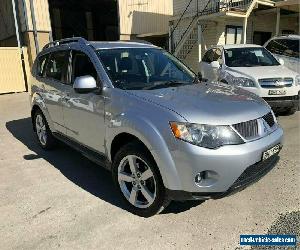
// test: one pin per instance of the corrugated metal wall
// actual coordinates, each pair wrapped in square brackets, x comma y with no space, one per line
[11,75]
[42,17]
[144,16]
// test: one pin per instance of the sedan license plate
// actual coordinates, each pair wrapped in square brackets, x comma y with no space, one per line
[272,151]
[277,92]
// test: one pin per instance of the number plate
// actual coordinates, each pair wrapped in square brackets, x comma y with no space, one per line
[272,151]
[277,92]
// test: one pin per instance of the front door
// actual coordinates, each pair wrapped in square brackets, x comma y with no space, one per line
[84,112]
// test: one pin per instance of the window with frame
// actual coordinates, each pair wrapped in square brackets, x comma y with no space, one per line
[57,66]
[286,47]
[208,56]
[233,34]
[82,66]
[41,64]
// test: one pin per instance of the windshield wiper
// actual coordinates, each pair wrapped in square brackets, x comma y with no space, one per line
[166,84]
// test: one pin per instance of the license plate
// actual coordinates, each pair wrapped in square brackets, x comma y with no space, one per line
[272,151]
[277,92]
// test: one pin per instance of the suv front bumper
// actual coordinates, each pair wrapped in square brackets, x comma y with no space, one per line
[233,167]
[283,101]
[251,175]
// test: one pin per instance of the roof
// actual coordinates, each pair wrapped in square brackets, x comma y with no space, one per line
[296,37]
[121,44]
[235,46]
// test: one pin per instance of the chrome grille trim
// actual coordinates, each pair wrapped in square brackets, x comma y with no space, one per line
[255,129]
[248,130]
[276,82]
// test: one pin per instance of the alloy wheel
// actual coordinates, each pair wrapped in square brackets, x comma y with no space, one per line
[137,181]
[41,130]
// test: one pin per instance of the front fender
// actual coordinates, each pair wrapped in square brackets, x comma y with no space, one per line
[151,136]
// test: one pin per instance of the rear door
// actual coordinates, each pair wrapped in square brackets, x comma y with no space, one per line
[84,112]
[54,87]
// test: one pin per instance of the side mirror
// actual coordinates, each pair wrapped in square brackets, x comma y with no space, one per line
[215,64]
[85,84]
[281,61]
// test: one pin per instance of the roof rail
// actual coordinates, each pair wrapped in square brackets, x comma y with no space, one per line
[65,41]
[138,41]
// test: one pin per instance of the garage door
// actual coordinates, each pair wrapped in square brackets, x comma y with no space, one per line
[11,71]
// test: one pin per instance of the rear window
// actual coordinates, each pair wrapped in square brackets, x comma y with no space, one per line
[286,47]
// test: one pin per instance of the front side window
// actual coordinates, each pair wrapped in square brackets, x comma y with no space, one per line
[82,66]
[208,56]
[249,57]
[57,65]
[144,68]
[286,47]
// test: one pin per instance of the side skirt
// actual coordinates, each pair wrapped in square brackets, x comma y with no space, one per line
[94,156]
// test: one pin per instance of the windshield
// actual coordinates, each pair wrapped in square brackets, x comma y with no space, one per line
[144,68]
[249,57]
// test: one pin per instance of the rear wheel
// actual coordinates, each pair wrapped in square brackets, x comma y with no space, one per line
[138,180]
[45,138]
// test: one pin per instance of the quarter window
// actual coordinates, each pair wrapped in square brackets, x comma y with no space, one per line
[57,65]
[41,64]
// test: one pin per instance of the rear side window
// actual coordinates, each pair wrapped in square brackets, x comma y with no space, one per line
[286,47]
[57,65]
[41,64]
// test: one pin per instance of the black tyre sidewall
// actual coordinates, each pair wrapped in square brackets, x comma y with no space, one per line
[161,200]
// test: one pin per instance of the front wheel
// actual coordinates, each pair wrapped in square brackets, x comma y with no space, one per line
[138,180]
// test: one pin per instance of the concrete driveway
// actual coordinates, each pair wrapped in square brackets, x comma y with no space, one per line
[59,199]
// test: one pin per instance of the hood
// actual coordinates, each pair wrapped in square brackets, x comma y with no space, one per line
[215,104]
[262,72]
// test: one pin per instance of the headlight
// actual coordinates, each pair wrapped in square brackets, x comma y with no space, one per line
[297,80]
[207,136]
[243,82]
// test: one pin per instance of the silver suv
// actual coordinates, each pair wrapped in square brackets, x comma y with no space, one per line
[136,110]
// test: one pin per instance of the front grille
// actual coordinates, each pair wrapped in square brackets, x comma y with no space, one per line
[276,82]
[247,129]
[269,118]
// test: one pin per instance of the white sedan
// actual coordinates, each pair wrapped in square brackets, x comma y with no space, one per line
[255,69]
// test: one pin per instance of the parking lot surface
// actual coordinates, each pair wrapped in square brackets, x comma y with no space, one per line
[59,199]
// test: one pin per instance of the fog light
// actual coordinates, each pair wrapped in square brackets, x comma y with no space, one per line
[199,177]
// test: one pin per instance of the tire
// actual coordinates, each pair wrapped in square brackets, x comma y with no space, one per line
[43,134]
[138,180]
